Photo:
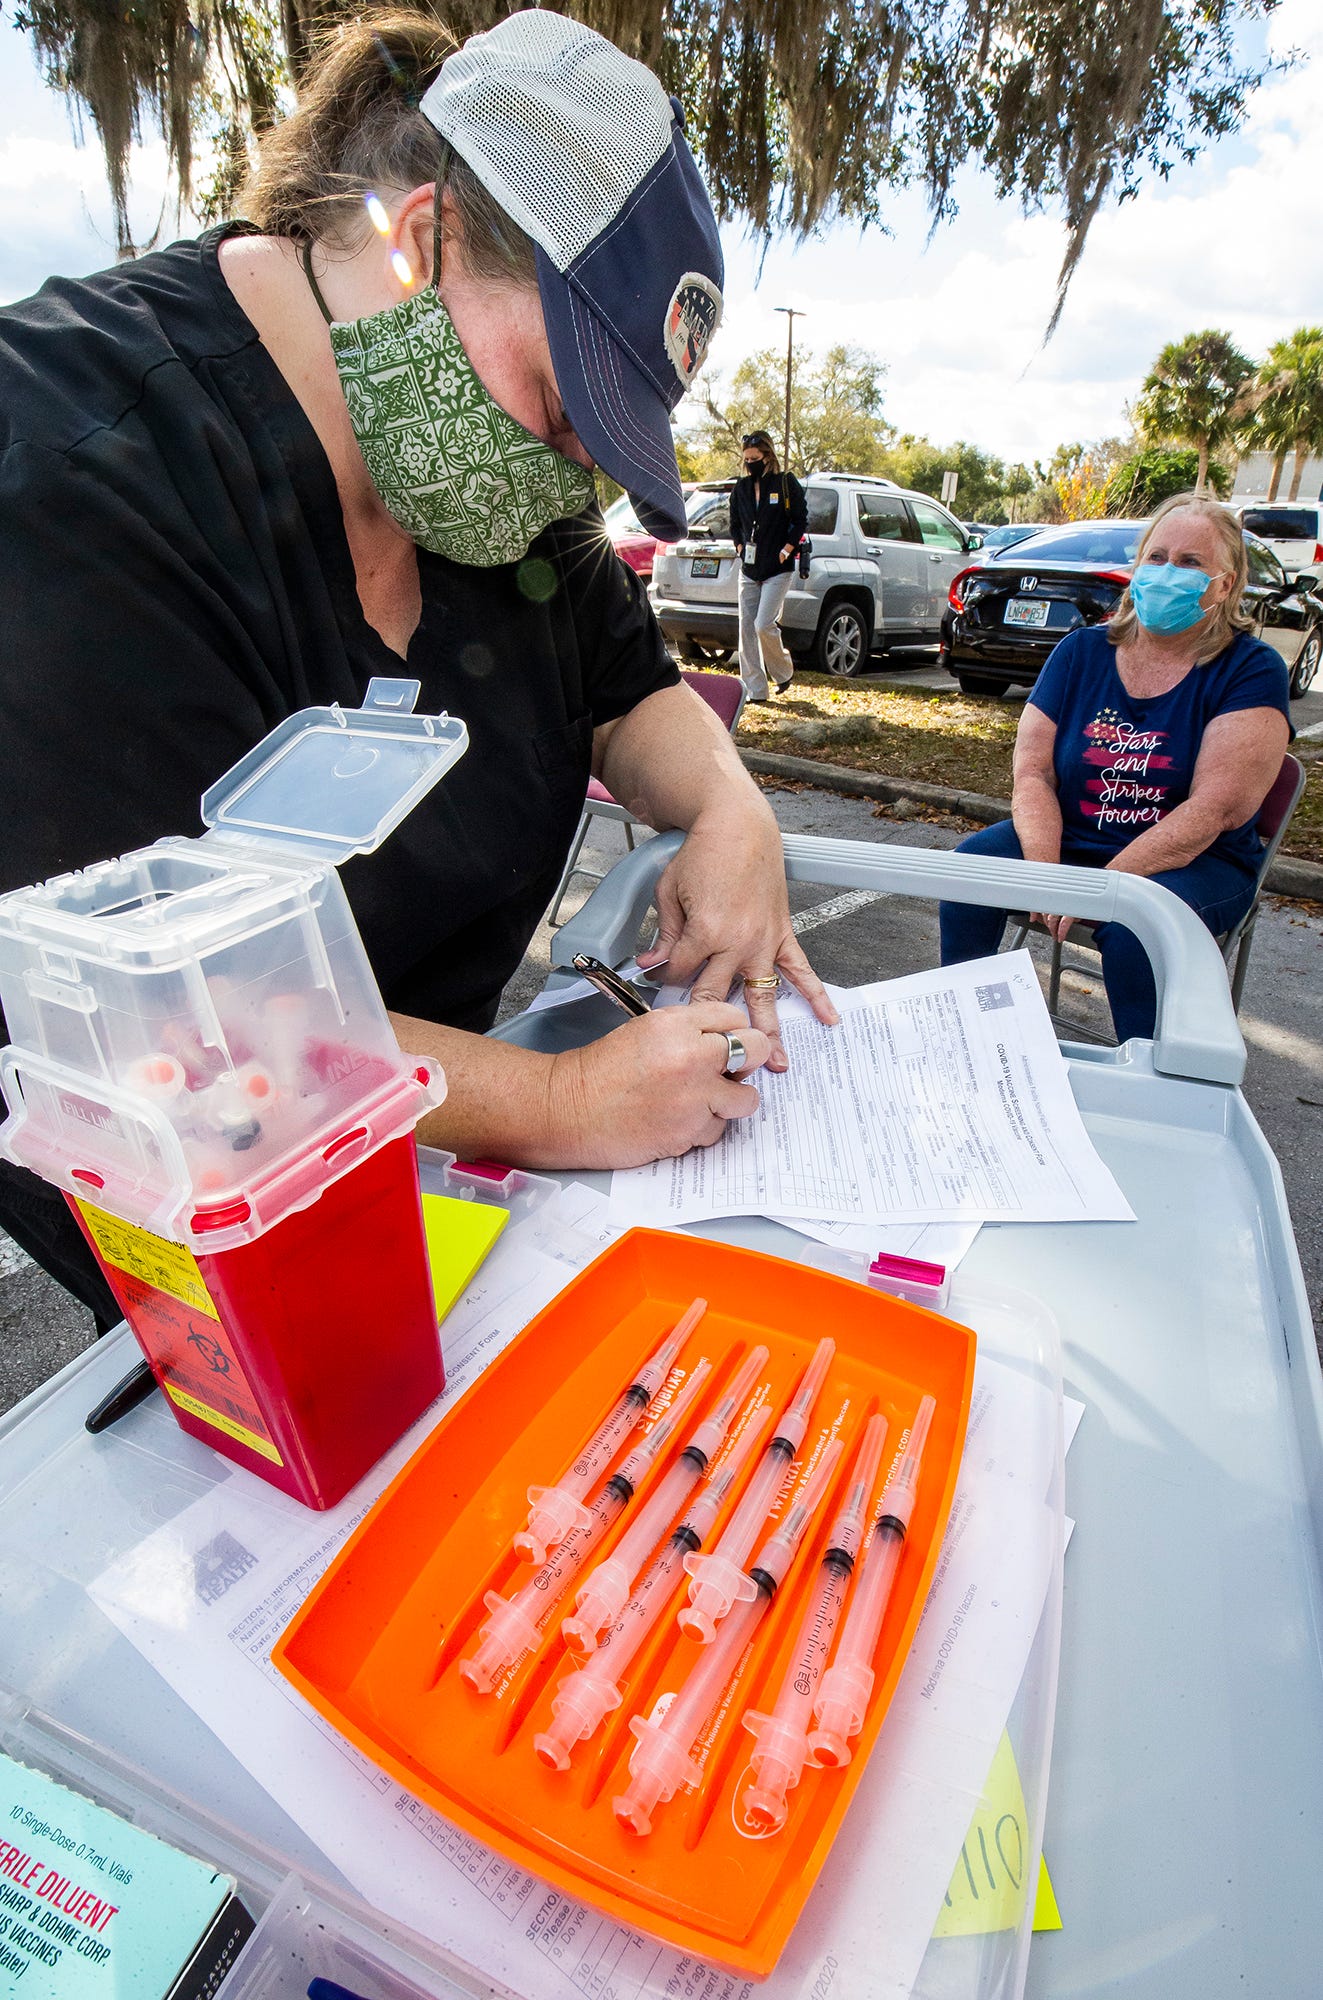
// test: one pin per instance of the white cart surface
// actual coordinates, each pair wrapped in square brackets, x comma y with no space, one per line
[1185,1817]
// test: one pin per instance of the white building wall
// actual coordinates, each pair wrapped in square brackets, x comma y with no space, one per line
[1254,473]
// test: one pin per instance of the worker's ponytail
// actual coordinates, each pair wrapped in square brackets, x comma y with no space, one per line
[358,130]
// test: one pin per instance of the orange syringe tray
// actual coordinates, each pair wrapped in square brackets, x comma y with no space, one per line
[376,1647]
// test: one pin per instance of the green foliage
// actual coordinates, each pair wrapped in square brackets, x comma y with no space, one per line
[798,112]
[1145,478]
[1288,405]
[836,420]
[1198,392]
[919,463]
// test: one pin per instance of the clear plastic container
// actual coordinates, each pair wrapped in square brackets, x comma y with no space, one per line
[198,1044]
[203,1062]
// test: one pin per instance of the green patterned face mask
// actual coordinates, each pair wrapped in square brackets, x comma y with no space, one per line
[456,471]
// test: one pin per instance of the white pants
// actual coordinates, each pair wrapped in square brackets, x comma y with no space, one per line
[762,649]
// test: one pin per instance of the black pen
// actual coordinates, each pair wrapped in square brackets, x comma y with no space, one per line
[135,1387]
[610,983]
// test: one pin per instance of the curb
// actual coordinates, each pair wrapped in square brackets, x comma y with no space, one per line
[1286,877]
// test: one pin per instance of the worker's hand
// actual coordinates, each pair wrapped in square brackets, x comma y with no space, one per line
[654,1087]
[724,916]
[788,550]
[1056,927]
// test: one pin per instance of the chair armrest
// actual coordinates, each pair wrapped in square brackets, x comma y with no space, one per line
[1196,1034]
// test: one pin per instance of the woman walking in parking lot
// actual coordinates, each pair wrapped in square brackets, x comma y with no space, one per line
[768,515]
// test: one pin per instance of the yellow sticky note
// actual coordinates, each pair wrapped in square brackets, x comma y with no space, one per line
[459,1236]
[988,1886]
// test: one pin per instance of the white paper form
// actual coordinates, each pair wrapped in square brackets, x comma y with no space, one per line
[935,1242]
[941,1097]
[205,1597]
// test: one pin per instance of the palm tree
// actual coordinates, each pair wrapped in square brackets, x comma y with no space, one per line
[1198,393]
[1288,414]
[798,113]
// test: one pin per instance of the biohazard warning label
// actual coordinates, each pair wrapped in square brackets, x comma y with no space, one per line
[168,1267]
[198,1367]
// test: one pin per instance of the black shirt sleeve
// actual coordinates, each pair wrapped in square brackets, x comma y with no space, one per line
[622,654]
[796,510]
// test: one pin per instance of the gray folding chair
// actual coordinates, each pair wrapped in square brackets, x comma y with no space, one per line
[1274,819]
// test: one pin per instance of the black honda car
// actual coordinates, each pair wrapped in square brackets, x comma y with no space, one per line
[1007,612]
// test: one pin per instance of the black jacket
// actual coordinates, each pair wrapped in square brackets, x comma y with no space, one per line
[762,528]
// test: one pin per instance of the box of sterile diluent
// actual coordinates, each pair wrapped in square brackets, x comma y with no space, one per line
[92,1908]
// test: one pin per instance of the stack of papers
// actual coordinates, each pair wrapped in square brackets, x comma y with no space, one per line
[940,1098]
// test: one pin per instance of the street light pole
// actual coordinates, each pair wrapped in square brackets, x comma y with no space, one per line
[792,313]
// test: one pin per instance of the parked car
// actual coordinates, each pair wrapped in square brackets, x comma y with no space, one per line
[1009,611]
[883,561]
[1293,532]
[1005,537]
[632,541]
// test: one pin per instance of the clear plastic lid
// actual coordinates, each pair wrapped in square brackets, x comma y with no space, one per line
[331,782]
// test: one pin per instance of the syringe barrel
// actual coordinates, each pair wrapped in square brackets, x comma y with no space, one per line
[578,1708]
[847,1530]
[839,1711]
[715,1583]
[603,1593]
[794,1419]
[525,1616]
[711,1433]
[553,1511]
[777,1762]
[509,1630]
[661,1761]
[778,1551]
[641,1460]
[769,1477]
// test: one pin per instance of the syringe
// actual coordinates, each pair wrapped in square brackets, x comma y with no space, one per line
[516,1624]
[781,1738]
[554,1510]
[603,1594]
[662,1759]
[584,1699]
[719,1579]
[845,1687]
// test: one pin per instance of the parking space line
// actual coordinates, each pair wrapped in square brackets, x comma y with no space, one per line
[835,906]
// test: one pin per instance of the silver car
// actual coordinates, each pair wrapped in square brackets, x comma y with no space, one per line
[883,561]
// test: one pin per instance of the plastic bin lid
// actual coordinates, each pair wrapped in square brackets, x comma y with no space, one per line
[334,782]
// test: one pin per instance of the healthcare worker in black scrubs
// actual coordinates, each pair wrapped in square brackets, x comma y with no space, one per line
[243,475]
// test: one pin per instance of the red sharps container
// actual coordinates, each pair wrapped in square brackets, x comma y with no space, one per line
[202,1061]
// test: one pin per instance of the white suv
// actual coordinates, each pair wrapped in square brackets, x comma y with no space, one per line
[883,562]
[1293,530]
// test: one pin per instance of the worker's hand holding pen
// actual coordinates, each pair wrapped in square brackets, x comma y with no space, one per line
[659,1084]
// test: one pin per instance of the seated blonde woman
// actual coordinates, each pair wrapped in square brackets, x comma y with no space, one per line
[1148,745]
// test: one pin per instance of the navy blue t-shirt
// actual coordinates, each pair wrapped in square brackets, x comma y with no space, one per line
[1123,763]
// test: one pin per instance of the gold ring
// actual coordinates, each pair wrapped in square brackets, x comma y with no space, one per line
[762,985]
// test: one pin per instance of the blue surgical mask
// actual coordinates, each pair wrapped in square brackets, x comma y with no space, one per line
[1167,597]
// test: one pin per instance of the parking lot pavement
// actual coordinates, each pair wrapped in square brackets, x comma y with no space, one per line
[852,938]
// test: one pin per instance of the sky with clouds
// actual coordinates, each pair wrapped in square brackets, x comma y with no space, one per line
[1231,241]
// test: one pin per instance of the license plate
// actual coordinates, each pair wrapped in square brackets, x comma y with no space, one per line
[1026,611]
[705,566]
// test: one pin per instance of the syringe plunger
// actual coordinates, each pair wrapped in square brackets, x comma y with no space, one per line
[845,1688]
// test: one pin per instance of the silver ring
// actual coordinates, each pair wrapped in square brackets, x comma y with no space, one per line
[736,1054]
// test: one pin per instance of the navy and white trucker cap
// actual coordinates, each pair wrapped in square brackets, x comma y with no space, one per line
[582,148]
